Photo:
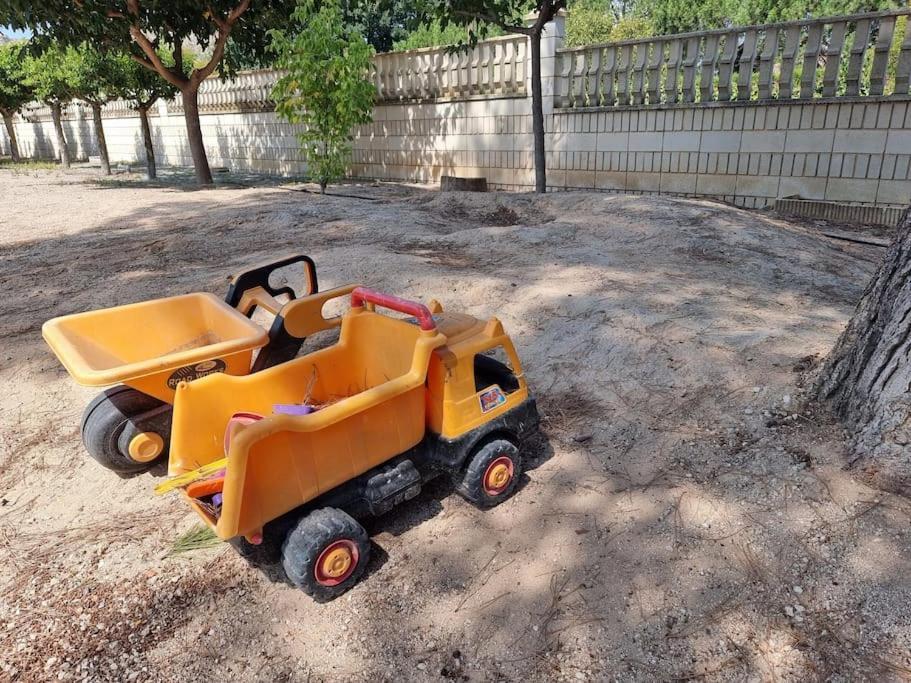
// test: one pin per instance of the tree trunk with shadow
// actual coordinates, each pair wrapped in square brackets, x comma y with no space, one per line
[99,136]
[190,97]
[537,111]
[867,376]
[56,116]
[11,132]
[151,171]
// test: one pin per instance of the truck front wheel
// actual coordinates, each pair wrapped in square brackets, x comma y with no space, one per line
[326,553]
[492,473]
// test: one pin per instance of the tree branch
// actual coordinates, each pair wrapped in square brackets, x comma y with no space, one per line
[154,61]
[224,30]
[491,19]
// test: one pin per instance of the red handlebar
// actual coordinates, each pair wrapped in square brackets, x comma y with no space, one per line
[394,303]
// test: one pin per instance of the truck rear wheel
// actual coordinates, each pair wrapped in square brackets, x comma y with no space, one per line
[111,438]
[492,473]
[326,553]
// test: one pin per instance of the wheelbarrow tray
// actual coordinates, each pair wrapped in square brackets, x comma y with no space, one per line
[153,345]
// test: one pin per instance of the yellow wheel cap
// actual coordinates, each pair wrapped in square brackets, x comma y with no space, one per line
[146,446]
[336,563]
[498,475]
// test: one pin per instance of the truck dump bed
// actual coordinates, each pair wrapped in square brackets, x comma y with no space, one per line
[371,388]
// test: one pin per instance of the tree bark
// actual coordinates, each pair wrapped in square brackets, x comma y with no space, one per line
[867,376]
[61,138]
[99,136]
[11,132]
[537,111]
[190,97]
[151,172]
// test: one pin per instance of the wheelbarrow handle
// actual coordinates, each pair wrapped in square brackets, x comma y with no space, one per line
[258,276]
[362,294]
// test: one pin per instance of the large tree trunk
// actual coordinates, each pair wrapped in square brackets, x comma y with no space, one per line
[99,136]
[537,112]
[867,377]
[151,172]
[11,132]
[61,138]
[190,97]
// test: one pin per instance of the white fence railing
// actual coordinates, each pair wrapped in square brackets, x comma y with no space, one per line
[837,56]
[492,67]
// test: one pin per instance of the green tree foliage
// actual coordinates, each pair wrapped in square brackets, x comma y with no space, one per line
[14,89]
[142,27]
[381,23]
[596,21]
[680,16]
[327,88]
[432,34]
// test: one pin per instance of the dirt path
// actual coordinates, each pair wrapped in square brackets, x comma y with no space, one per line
[684,517]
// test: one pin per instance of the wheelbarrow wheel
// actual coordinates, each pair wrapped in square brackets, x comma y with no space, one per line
[326,553]
[492,473]
[111,437]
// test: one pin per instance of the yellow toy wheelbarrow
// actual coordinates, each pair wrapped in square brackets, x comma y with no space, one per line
[147,349]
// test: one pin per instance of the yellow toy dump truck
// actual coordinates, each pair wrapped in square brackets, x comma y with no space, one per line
[283,461]
[147,349]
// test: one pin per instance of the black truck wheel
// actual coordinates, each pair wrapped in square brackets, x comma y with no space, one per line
[492,473]
[326,553]
[112,435]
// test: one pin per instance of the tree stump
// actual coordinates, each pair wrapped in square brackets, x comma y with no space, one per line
[452,183]
[867,376]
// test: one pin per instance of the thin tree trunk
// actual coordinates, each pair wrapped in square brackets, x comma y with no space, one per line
[537,112]
[11,132]
[867,376]
[190,98]
[61,138]
[99,135]
[151,172]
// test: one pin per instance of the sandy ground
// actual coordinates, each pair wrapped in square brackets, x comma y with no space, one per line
[684,516]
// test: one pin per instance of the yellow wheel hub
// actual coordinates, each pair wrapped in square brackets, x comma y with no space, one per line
[498,476]
[146,446]
[336,563]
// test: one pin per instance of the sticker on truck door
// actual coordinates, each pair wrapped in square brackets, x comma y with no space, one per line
[190,372]
[491,398]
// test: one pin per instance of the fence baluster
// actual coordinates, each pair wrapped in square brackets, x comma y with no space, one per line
[607,77]
[689,69]
[810,61]
[593,77]
[709,59]
[623,68]
[579,60]
[903,68]
[745,66]
[673,64]
[856,63]
[788,57]
[639,73]
[881,55]
[767,63]
[726,66]
[654,72]
[833,58]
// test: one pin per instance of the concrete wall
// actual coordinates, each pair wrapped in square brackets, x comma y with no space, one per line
[749,154]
